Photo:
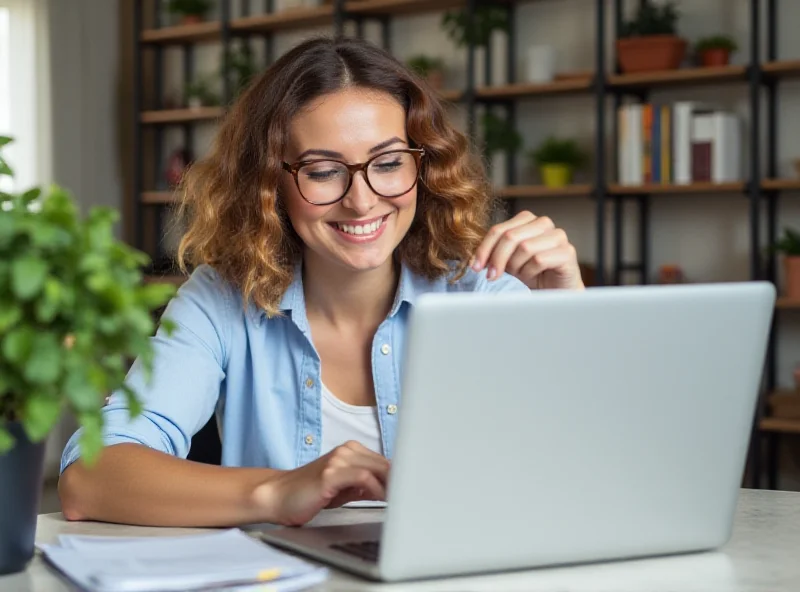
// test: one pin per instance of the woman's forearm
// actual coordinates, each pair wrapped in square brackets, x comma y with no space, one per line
[133,484]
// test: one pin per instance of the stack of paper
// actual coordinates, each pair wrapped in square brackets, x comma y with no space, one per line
[223,560]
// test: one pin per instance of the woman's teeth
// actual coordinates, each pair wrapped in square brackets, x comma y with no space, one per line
[360,229]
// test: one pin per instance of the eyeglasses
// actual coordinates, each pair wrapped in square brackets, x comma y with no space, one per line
[388,174]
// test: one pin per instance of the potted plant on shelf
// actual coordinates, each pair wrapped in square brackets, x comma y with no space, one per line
[789,245]
[73,309]
[500,141]
[650,41]
[557,160]
[189,11]
[430,68]
[715,50]
[489,25]
[199,94]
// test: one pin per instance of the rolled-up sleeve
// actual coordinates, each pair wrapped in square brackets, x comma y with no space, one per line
[188,371]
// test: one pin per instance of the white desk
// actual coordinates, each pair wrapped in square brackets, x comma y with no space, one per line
[763,556]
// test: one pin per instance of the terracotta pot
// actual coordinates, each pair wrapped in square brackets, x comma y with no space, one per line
[191,19]
[651,53]
[791,268]
[715,57]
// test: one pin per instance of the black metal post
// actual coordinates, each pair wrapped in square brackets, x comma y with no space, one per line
[386,32]
[138,234]
[245,7]
[619,210]
[644,238]
[600,132]
[225,37]
[469,94]
[338,17]
[511,77]
[754,195]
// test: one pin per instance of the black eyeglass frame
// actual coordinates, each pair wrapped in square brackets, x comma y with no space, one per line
[352,169]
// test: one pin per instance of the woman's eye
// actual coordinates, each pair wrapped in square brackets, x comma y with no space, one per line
[388,165]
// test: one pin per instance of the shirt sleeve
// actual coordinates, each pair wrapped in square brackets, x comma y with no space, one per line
[188,370]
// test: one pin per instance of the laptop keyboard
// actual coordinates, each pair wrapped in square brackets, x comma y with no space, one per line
[366,550]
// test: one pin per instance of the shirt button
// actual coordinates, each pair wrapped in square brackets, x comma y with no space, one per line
[391,409]
[385,349]
[309,382]
[309,439]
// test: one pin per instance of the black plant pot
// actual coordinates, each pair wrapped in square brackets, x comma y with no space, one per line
[20,493]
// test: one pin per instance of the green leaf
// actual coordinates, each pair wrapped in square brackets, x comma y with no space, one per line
[4,140]
[91,441]
[134,404]
[40,415]
[156,295]
[17,344]
[5,169]
[82,395]
[47,307]
[44,363]
[10,315]
[6,440]
[7,229]
[27,276]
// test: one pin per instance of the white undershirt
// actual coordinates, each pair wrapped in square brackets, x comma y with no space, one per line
[342,422]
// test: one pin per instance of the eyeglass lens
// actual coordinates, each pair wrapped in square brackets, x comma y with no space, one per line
[389,175]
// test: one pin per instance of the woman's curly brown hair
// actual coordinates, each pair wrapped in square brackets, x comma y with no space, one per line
[235,219]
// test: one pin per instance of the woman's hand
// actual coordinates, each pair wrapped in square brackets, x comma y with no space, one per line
[533,250]
[350,472]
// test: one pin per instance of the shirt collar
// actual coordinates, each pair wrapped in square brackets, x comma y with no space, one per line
[292,302]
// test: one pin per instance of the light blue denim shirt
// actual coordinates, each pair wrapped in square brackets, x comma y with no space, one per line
[259,375]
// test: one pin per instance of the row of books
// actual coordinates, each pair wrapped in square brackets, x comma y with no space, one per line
[678,143]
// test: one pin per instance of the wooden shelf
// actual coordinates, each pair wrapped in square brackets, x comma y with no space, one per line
[399,7]
[159,197]
[210,31]
[680,76]
[787,303]
[691,188]
[781,184]
[780,425]
[181,115]
[782,67]
[528,89]
[534,191]
[284,20]
[452,96]
[784,404]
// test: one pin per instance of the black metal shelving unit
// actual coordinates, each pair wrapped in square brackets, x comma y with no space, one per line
[757,77]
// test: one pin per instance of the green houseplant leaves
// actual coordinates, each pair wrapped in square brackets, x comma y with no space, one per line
[73,311]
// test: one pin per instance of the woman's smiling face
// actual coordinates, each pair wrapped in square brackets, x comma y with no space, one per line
[362,230]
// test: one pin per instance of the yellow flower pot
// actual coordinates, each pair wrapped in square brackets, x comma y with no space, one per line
[556,175]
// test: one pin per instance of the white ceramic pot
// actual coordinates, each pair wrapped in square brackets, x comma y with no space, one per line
[541,64]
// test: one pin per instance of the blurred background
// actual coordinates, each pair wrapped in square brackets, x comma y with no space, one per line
[663,136]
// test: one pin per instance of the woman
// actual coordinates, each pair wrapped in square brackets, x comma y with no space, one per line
[336,193]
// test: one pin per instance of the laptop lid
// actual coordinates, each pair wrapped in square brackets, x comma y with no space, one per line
[564,427]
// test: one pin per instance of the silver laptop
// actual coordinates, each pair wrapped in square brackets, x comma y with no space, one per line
[559,428]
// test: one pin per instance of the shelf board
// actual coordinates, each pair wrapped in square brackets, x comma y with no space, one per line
[691,188]
[533,191]
[284,20]
[784,404]
[782,67]
[158,197]
[399,7]
[781,425]
[787,303]
[452,96]
[679,76]
[778,184]
[527,89]
[209,31]
[181,115]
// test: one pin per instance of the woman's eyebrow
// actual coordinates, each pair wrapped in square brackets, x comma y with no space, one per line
[333,154]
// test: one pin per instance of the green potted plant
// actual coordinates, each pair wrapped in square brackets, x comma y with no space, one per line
[73,310]
[650,41]
[189,11]
[199,94]
[557,160]
[715,50]
[487,19]
[789,245]
[500,141]
[430,68]
[241,67]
